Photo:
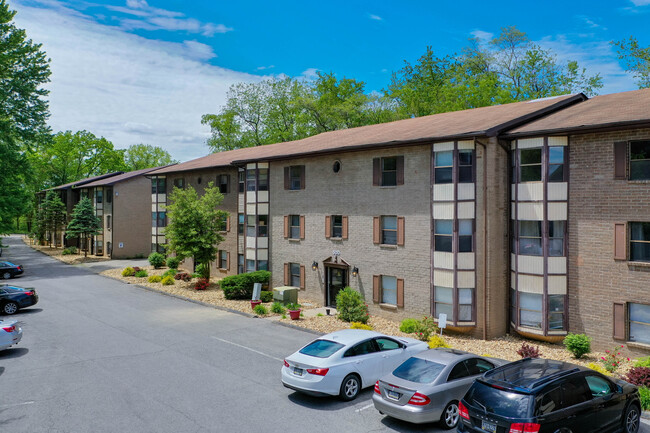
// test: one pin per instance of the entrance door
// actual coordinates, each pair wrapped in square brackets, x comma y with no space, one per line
[337,279]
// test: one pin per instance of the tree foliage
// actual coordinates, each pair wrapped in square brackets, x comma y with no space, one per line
[83,223]
[195,224]
[140,156]
[23,114]
[52,216]
[636,59]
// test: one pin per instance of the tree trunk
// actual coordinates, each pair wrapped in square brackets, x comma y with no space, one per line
[85,241]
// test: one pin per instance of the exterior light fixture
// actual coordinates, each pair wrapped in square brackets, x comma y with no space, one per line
[314,266]
[355,271]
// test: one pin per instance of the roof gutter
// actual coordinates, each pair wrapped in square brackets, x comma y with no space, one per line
[612,126]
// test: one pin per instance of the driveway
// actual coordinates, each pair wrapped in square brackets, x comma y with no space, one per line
[99,355]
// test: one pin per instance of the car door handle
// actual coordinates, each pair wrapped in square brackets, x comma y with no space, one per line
[570,417]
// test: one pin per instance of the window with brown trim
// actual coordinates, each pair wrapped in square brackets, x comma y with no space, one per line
[389,230]
[530,165]
[639,322]
[223,260]
[179,183]
[556,312]
[530,238]
[465,166]
[555,172]
[294,226]
[240,224]
[639,241]
[632,160]
[223,181]
[388,289]
[443,166]
[337,226]
[443,231]
[251,179]
[294,275]
[294,177]
[241,177]
[263,226]
[388,171]
[240,263]
[263,179]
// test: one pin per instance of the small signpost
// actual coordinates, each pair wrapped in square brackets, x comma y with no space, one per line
[442,322]
[257,291]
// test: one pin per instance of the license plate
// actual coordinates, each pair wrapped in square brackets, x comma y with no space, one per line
[297,371]
[488,426]
[394,395]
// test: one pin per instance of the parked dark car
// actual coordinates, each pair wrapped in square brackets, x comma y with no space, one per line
[541,395]
[9,270]
[13,298]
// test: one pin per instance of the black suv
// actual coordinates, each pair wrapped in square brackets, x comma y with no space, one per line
[542,395]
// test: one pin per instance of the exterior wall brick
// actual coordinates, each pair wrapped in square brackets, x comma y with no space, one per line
[131,215]
[596,202]
[351,192]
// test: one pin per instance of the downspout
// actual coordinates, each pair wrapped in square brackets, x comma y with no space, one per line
[485,233]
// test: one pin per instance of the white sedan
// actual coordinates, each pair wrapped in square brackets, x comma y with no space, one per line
[10,334]
[344,362]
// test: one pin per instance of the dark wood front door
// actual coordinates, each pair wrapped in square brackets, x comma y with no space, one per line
[337,279]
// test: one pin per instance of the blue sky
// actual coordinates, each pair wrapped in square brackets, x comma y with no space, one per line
[137,71]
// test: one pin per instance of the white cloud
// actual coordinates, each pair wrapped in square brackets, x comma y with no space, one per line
[597,57]
[137,4]
[482,36]
[591,23]
[309,73]
[375,17]
[641,2]
[262,68]
[127,88]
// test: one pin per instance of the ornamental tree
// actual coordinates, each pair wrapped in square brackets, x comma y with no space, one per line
[195,224]
[83,223]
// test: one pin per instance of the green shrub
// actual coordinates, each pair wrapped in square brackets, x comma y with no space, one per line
[261,310]
[293,306]
[644,394]
[266,296]
[203,270]
[643,362]
[577,344]
[69,250]
[169,273]
[425,328]
[241,286]
[167,281]
[155,279]
[173,262]
[350,306]
[278,308]
[359,325]
[156,260]
[436,341]
[195,275]
[128,272]
[141,273]
[408,325]
[599,368]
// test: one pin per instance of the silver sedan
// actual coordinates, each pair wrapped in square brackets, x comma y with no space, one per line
[428,386]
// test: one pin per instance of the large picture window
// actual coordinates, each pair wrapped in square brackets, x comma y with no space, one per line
[640,241]
[530,310]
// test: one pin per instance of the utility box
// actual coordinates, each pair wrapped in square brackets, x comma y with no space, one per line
[285,294]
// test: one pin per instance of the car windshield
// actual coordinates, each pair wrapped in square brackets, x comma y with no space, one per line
[499,401]
[321,348]
[9,264]
[418,370]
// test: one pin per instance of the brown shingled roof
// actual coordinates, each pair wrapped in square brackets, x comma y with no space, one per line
[83,181]
[604,111]
[120,177]
[484,121]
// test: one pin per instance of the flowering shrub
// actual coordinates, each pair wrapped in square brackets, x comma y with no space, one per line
[350,306]
[639,376]
[359,325]
[425,328]
[182,276]
[528,351]
[436,341]
[202,284]
[612,359]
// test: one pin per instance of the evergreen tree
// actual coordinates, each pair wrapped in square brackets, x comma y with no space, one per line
[54,216]
[83,223]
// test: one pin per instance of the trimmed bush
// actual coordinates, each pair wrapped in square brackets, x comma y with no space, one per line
[528,351]
[154,279]
[167,281]
[278,308]
[643,362]
[183,276]
[173,262]
[261,310]
[266,296]
[203,270]
[359,325]
[436,341]
[577,344]
[141,273]
[599,368]
[202,284]
[241,286]
[128,272]
[408,325]
[639,376]
[350,306]
[156,260]
[69,250]
[169,273]
[644,394]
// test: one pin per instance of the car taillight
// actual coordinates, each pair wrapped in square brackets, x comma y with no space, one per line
[524,427]
[377,390]
[286,364]
[419,399]
[29,293]
[318,371]
[462,411]
[9,328]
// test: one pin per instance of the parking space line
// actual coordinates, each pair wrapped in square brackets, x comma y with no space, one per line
[248,348]
[364,408]
[5,406]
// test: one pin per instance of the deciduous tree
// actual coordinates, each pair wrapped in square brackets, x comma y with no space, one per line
[636,59]
[140,156]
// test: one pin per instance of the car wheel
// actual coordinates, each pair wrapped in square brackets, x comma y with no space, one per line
[6,275]
[449,418]
[10,308]
[350,387]
[631,419]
